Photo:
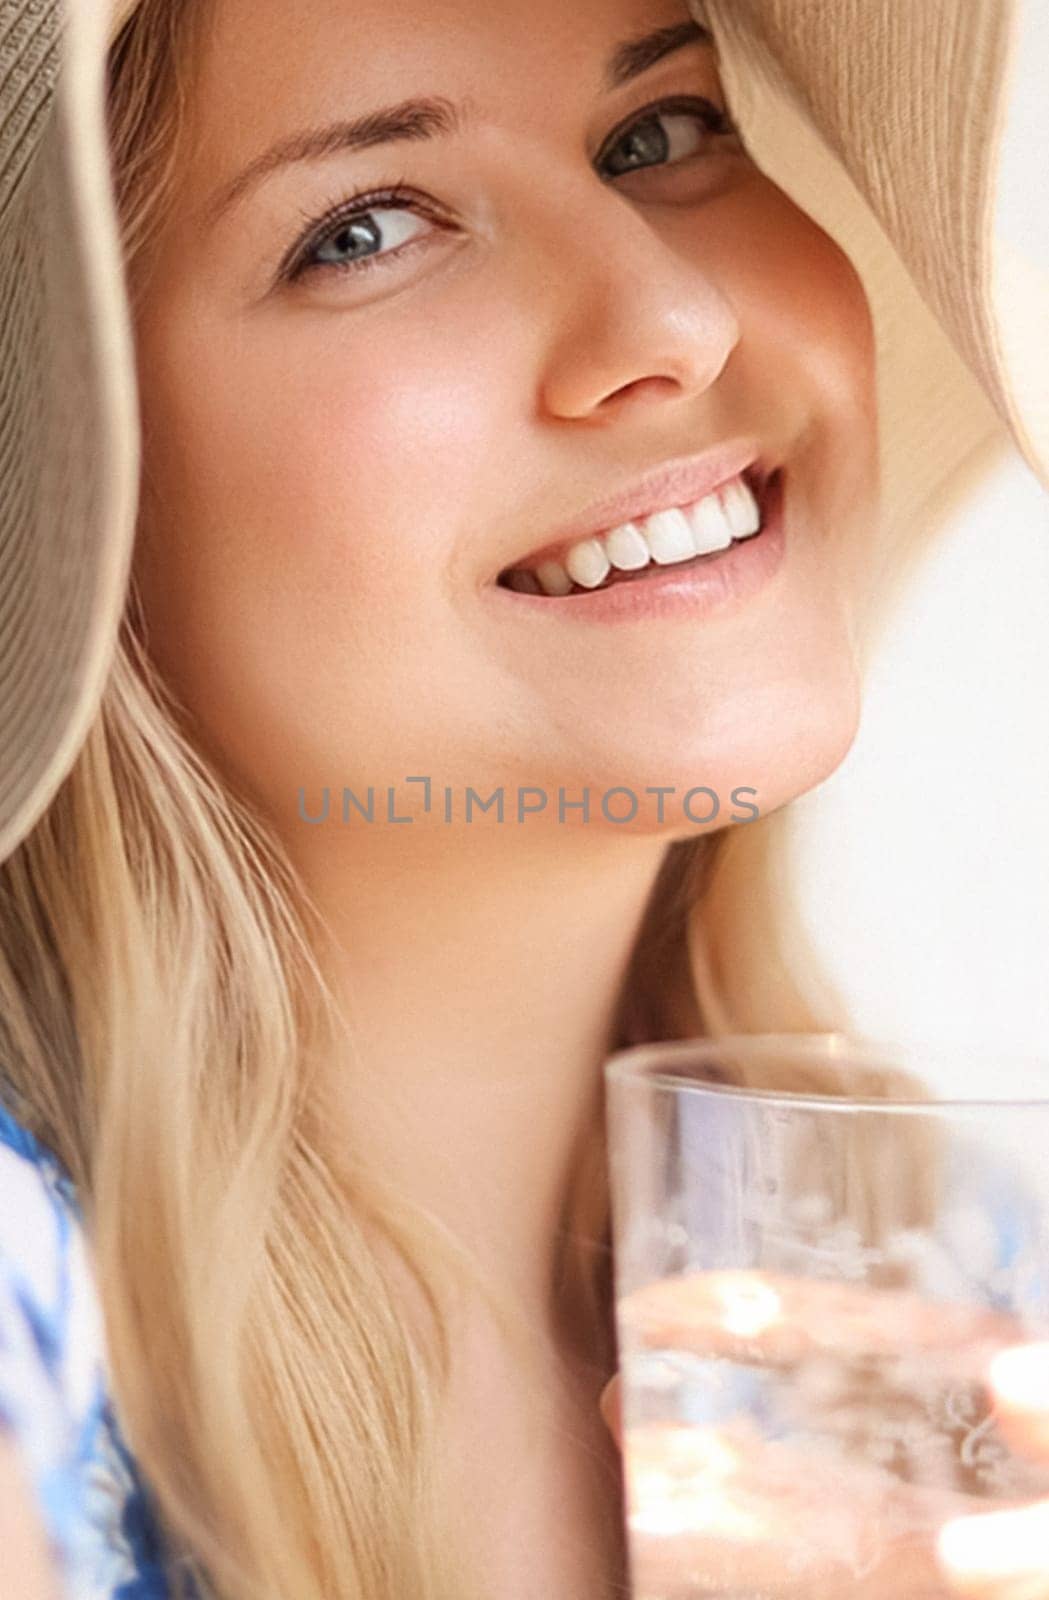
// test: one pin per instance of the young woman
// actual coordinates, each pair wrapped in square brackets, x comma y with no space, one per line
[507,507]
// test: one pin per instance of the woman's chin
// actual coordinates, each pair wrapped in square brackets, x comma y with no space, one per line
[681,786]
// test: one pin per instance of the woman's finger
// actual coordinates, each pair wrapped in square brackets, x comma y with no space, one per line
[772,1319]
[1004,1555]
[1000,1555]
[611,1406]
[1019,1381]
[720,1509]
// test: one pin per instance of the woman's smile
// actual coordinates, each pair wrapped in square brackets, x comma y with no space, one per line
[711,483]
[670,583]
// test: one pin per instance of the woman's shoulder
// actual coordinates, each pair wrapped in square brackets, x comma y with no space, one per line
[54,1393]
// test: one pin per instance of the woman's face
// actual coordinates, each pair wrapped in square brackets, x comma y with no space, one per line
[583,279]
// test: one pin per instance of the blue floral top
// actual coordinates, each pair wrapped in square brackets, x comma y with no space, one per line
[54,1395]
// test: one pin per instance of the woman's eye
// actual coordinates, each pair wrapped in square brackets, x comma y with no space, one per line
[356,237]
[668,134]
[361,239]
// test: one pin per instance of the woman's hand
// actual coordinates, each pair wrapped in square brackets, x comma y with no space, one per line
[1004,1555]
[720,1505]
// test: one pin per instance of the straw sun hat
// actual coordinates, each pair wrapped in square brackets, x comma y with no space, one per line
[887,120]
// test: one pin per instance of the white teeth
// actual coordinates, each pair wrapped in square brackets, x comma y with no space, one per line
[627,548]
[669,537]
[741,508]
[711,529]
[587,563]
[665,537]
[553,578]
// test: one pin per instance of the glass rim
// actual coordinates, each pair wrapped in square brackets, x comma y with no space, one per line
[634,1065]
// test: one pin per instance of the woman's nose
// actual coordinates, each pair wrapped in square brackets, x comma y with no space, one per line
[633,316]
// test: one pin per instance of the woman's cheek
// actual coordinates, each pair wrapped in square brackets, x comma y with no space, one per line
[378,470]
[799,298]
[823,301]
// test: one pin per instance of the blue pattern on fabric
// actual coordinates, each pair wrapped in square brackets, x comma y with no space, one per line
[95,1507]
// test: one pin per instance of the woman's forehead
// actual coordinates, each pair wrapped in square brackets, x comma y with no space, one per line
[362,44]
[264,82]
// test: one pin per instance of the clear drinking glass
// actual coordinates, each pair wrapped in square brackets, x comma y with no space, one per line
[820,1244]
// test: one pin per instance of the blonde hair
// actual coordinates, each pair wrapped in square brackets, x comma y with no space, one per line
[160,1007]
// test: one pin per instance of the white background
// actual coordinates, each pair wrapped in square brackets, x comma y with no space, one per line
[924,861]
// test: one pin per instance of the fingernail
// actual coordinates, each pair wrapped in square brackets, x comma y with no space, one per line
[1021,1375]
[609,1406]
[997,1545]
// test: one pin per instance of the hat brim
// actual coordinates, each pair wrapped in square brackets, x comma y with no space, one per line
[886,122]
[68,421]
[913,104]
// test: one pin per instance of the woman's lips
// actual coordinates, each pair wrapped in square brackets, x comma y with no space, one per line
[755,495]
[675,483]
[695,587]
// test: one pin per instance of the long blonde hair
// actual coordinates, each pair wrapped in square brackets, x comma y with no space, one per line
[160,1007]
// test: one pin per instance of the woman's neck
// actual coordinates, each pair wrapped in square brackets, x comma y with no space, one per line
[481,980]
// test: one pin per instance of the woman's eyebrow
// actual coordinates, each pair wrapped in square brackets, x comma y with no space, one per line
[428,117]
[636,55]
